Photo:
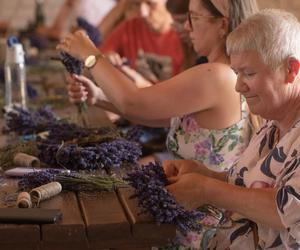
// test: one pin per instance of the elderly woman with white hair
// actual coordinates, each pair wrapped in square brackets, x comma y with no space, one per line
[208,119]
[264,185]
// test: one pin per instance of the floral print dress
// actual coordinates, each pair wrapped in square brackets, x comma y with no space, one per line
[218,150]
[274,163]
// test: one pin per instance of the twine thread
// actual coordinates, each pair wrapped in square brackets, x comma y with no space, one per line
[25,160]
[45,192]
[24,200]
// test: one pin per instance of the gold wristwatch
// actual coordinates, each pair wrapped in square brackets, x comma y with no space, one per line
[92,60]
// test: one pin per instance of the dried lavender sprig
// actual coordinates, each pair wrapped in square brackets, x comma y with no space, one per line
[75,66]
[149,182]
[69,181]
[24,122]
[72,65]
[94,157]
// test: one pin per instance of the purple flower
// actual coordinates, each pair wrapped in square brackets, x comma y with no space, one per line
[215,159]
[189,124]
[203,148]
[149,183]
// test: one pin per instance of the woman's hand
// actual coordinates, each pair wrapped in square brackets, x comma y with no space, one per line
[115,59]
[176,168]
[135,76]
[78,45]
[189,190]
[82,89]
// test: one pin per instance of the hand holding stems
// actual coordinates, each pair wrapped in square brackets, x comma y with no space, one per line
[115,59]
[122,64]
[192,186]
[187,180]
[81,89]
[189,190]
[177,168]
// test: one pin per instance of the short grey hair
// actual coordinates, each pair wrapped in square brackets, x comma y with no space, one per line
[274,34]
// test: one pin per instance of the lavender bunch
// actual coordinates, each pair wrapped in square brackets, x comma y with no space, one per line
[105,155]
[82,136]
[133,133]
[75,66]
[72,65]
[91,31]
[36,179]
[66,131]
[69,181]
[149,183]
[24,122]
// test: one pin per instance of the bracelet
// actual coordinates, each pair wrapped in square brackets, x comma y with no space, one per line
[227,176]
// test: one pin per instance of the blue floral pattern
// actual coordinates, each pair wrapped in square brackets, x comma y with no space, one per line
[268,162]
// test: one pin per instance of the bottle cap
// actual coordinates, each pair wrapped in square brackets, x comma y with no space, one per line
[11,41]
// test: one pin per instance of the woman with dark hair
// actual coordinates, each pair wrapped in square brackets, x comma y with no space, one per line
[262,189]
[209,121]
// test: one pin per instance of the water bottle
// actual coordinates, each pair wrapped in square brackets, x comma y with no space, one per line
[15,75]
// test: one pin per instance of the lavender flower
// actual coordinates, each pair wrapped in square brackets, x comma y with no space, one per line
[69,181]
[72,65]
[149,182]
[105,155]
[36,179]
[24,122]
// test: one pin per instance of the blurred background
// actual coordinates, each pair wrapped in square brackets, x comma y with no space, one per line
[19,12]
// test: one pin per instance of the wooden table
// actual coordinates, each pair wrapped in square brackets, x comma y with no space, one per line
[91,220]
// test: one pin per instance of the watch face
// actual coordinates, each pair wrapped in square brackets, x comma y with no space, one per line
[90,61]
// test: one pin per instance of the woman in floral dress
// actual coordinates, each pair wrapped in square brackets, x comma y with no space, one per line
[264,185]
[212,123]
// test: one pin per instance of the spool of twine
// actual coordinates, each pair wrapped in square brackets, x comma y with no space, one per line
[25,160]
[45,192]
[24,200]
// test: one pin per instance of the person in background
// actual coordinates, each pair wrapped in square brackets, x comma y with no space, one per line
[123,10]
[209,121]
[91,10]
[148,42]
[264,185]
[179,10]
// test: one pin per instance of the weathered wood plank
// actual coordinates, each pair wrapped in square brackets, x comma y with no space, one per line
[20,246]
[12,233]
[25,234]
[62,246]
[71,229]
[105,219]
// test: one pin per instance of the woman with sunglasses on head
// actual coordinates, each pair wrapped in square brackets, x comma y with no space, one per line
[262,189]
[209,120]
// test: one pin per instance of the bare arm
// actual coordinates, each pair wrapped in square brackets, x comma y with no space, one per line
[259,205]
[176,168]
[82,89]
[195,90]
[150,123]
